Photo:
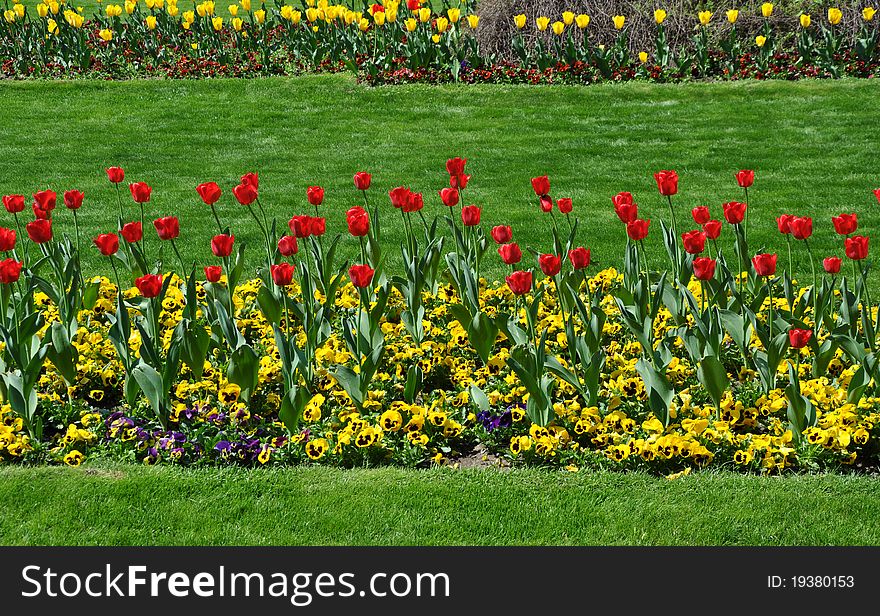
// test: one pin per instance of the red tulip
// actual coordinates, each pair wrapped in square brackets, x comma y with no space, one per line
[107,243]
[701,215]
[638,229]
[221,245]
[704,268]
[502,234]
[579,257]
[317,225]
[413,5]
[10,271]
[712,229]
[282,274]
[213,273]
[877,194]
[550,264]
[519,282]
[300,226]
[149,285]
[7,239]
[362,180]
[765,264]
[831,264]
[546,203]
[73,199]
[455,166]
[694,241]
[245,193]
[799,338]
[414,203]
[45,200]
[459,181]
[358,221]
[168,227]
[783,223]
[626,212]
[40,231]
[667,182]
[287,246]
[856,247]
[564,205]
[40,213]
[510,253]
[209,192]
[541,185]
[13,203]
[622,198]
[470,215]
[132,232]
[801,227]
[361,275]
[399,196]
[315,195]
[140,192]
[115,174]
[845,224]
[449,196]
[745,178]
[252,180]
[734,212]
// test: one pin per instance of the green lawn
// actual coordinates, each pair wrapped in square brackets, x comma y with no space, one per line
[139,505]
[811,142]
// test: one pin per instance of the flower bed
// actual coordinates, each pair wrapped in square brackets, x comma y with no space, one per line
[389,43]
[719,360]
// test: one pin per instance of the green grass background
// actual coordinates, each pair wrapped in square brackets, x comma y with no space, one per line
[812,143]
[318,506]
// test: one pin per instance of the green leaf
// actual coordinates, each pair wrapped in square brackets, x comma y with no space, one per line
[243,370]
[713,376]
[151,384]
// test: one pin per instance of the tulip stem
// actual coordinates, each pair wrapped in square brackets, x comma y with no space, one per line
[217,218]
[770,316]
[815,290]
[179,258]
[119,202]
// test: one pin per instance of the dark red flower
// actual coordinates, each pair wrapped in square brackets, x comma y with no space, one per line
[455,166]
[209,192]
[399,196]
[13,203]
[783,223]
[694,241]
[7,239]
[502,234]
[168,227]
[470,215]
[704,268]
[459,181]
[449,196]
[282,274]
[10,271]
[414,203]
[221,245]
[712,229]
[358,221]
[734,212]
[73,199]
[519,282]
[40,213]
[149,285]
[317,225]
[831,264]
[245,193]
[45,200]
[564,205]
[252,180]
[361,275]
[510,253]
[107,243]
[765,264]
[132,232]
[362,180]
[626,212]
[287,245]
[140,192]
[638,229]
[667,182]
[799,338]
[300,226]
[315,195]
[213,273]
[845,224]
[115,174]
[745,178]
[541,185]
[579,257]
[550,264]
[701,215]
[622,198]
[40,231]
[801,227]
[856,247]
[546,203]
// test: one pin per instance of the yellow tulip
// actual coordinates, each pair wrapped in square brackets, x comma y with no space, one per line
[868,13]
[558,28]
[618,20]
[568,18]
[172,10]
[732,15]
[129,7]
[150,4]
[233,9]
[217,23]
[542,23]
[106,35]
[424,15]
[436,39]
[19,10]
[52,26]
[151,22]
[473,21]
[54,8]
[643,56]
[582,21]
[189,17]
[705,17]
[767,9]
[659,16]
[391,15]
[760,40]
[42,9]
[311,14]
[442,24]
[454,15]
[201,10]
[186,24]
[9,15]
[113,10]
[834,16]
[520,21]
[237,24]
[411,24]
[246,5]
[260,16]
[363,24]
[209,7]
[379,18]
[805,20]
[295,17]
[194,45]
